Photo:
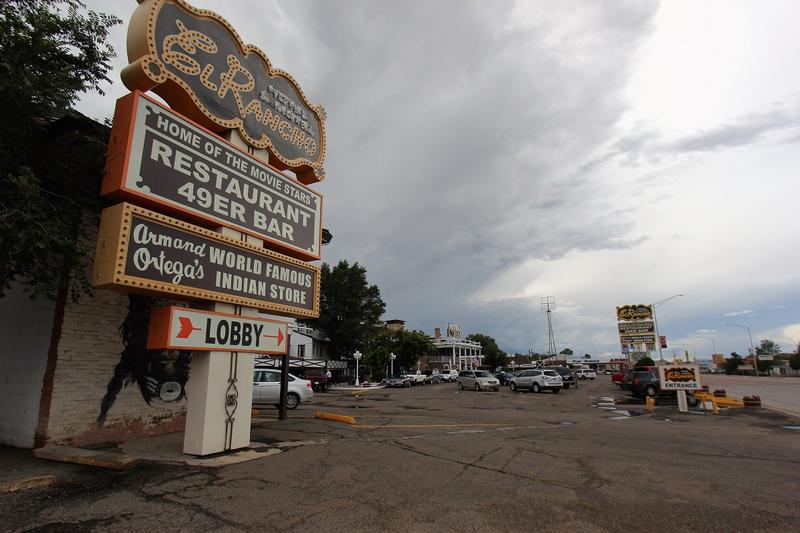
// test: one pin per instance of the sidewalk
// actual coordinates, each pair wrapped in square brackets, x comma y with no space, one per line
[25,469]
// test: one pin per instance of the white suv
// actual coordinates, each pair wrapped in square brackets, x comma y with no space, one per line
[537,380]
[584,373]
[449,375]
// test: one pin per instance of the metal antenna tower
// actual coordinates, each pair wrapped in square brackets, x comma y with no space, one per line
[549,305]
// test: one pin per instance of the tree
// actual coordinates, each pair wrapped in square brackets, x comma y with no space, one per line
[566,351]
[350,308]
[376,356]
[768,347]
[645,361]
[493,356]
[794,360]
[49,174]
[407,346]
[733,363]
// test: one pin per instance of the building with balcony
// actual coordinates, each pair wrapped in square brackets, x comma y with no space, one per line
[453,352]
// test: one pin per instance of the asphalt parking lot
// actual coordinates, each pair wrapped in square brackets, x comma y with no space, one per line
[432,458]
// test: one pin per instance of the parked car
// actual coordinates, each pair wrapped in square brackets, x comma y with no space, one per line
[585,373]
[478,380]
[417,378]
[267,388]
[432,376]
[448,375]
[318,379]
[398,381]
[617,377]
[641,380]
[567,376]
[504,377]
[644,381]
[536,380]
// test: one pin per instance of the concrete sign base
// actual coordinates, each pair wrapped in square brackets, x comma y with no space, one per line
[220,398]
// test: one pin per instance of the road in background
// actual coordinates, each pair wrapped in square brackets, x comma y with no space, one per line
[781,393]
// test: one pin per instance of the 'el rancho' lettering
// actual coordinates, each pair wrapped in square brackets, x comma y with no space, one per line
[196,62]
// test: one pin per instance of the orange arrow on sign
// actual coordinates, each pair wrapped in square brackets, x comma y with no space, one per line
[186,328]
[279,336]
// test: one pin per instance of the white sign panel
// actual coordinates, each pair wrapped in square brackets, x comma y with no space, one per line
[181,328]
[679,377]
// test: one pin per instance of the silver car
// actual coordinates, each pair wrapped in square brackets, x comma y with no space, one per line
[478,380]
[537,380]
[267,388]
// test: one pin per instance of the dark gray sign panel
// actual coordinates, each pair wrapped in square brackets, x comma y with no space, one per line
[161,158]
[141,250]
[636,328]
[195,60]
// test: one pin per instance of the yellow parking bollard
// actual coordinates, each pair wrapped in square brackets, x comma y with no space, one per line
[651,404]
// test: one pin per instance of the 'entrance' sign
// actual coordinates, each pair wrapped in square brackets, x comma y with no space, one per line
[145,251]
[196,61]
[679,377]
[182,328]
[159,158]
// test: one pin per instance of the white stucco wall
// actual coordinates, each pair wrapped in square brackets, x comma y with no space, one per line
[25,329]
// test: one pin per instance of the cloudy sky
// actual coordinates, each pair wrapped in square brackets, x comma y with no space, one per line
[482,155]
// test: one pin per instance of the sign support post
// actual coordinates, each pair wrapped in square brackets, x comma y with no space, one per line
[228,382]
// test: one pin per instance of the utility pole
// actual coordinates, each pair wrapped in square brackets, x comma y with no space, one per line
[548,306]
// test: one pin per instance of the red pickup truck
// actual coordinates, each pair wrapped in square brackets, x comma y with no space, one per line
[318,379]
[617,378]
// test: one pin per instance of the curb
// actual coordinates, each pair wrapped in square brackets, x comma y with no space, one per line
[35,482]
[102,459]
[336,418]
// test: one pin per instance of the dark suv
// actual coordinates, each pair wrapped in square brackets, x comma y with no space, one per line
[641,380]
[644,381]
[567,376]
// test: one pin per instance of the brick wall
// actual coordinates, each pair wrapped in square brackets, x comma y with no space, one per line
[88,350]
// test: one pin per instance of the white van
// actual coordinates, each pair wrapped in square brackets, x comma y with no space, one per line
[584,373]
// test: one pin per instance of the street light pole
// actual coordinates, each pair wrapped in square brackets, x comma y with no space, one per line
[392,357]
[752,349]
[713,342]
[357,356]
[655,321]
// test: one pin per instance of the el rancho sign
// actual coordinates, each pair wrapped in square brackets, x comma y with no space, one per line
[196,61]
[157,158]
[144,251]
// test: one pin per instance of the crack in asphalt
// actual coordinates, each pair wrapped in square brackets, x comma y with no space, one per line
[480,467]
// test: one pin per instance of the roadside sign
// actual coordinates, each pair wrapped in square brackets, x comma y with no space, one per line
[634,312]
[196,61]
[679,377]
[183,328]
[639,339]
[158,158]
[639,327]
[142,251]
